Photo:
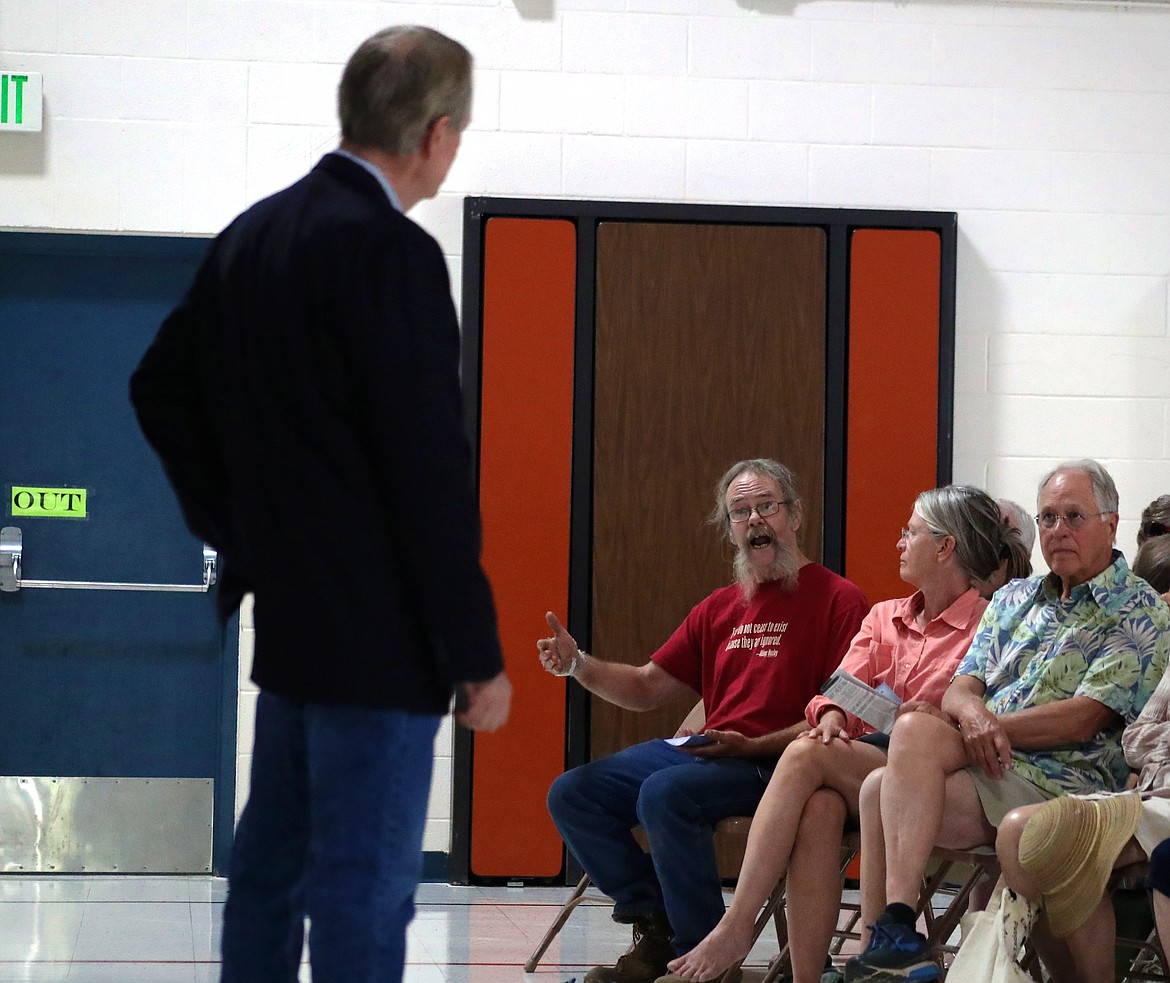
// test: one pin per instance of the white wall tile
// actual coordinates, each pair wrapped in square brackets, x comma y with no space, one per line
[499,36]
[442,217]
[1057,427]
[277,156]
[485,100]
[1123,245]
[1066,304]
[860,51]
[739,172]
[293,94]
[247,30]
[970,361]
[170,89]
[933,116]
[497,163]
[564,103]
[869,177]
[808,112]
[338,28]
[624,44]
[1118,122]
[1109,182]
[614,167]
[715,109]
[151,201]
[749,48]
[86,167]
[214,166]
[961,179]
[93,27]
[29,25]
[83,87]
[1078,366]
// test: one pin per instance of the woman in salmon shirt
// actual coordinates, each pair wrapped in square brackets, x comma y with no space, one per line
[955,537]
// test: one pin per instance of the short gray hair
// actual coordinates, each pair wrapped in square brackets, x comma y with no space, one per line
[1104,490]
[1024,522]
[397,83]
[765,467]
[972,518]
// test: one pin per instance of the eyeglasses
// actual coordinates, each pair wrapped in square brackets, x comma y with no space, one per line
[908,533]
[763,510]
[1073,520]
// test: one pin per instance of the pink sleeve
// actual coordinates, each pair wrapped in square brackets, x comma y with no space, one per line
[856,661]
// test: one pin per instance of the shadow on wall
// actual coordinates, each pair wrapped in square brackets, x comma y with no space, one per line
[536,9]
[23,154]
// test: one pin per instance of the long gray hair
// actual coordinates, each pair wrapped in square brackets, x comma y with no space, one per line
[982,538]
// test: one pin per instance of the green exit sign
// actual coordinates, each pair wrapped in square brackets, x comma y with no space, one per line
[20,101]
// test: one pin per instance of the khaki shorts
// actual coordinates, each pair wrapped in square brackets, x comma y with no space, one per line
[999,796]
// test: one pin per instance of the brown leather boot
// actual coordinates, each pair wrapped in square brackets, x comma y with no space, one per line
[645,960]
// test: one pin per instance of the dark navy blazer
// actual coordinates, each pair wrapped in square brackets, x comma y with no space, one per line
[304,400]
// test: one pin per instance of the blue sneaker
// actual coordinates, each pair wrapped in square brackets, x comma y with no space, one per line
[896,954]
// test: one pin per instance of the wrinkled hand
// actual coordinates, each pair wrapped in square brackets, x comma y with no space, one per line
[728,744]
[986,743]
[922,706]
[559,654]
[830,726]
[488,704]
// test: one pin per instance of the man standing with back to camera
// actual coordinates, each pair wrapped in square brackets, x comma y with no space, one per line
[304,399]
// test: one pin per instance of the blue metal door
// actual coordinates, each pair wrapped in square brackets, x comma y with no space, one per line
[117,705]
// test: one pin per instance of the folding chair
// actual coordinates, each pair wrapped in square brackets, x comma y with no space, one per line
[945,895]
[730,842]
[951,876]
[850,844]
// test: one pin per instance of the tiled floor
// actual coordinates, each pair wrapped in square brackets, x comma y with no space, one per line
[97,929]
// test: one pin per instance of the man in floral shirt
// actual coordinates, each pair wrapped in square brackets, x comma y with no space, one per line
[1059,665]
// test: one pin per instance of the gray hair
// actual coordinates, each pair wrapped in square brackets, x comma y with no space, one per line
[1155,520]
[1152,563]
[1024,521]
[397,83]
[765,467]
[1104,490]
[971,517]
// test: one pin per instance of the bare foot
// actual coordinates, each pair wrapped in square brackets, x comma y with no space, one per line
[711,957]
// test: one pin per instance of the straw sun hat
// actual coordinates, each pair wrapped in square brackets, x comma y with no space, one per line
[1069,847]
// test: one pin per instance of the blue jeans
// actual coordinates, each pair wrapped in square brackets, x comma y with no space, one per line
[677,799]
[332,830]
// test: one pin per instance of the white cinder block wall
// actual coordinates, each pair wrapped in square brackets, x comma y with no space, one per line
[1046,127]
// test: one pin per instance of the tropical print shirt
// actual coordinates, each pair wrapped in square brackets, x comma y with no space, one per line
[1108,641]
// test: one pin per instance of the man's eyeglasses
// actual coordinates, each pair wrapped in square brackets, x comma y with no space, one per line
[763,510]
[1072,520]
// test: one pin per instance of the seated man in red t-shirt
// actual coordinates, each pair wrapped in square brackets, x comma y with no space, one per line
[756,652]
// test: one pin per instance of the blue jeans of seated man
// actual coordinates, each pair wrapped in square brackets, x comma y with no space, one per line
[677,799]
[332,830]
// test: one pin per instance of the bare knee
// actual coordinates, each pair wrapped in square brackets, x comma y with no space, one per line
[922,736]
[869,799]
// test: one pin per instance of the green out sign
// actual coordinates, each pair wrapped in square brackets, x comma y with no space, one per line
[20,101]
[58,503]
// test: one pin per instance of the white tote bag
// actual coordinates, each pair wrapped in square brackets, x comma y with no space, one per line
[994,944]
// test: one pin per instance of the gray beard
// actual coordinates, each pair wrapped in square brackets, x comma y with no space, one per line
[784,569]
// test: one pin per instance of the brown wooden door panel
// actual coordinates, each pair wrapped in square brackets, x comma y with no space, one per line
[709,348]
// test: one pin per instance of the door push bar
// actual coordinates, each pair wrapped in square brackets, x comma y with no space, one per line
[12,546]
